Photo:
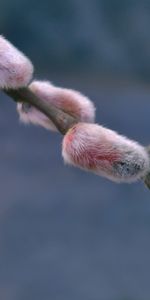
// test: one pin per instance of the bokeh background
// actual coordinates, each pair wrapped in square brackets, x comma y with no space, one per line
[66,234]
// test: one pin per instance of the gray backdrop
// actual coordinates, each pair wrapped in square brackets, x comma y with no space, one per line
[66,234]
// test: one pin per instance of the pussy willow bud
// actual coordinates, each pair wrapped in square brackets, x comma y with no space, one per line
[104,152]
[146,178]
[70,101]
[15,68]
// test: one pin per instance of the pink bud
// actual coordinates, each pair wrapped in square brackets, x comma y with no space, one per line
[15,68]
[104,152]
[70,101]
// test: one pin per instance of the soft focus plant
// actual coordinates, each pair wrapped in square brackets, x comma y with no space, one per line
[86,145]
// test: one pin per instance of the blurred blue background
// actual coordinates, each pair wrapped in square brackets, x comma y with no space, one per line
[66,234]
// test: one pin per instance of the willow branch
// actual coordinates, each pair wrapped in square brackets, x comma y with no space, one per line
[62,120]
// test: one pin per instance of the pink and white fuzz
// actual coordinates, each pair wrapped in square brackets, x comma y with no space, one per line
[70,101]
[102,151]
[15,68]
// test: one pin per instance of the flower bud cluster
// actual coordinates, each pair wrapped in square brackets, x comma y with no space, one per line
[86,145]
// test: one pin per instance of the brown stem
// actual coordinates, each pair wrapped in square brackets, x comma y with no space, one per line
[62,120]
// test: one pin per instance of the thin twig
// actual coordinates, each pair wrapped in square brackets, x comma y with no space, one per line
[61,120]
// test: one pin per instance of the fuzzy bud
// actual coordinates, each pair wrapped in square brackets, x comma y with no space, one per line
[104,152]
[15,68]
[70,101]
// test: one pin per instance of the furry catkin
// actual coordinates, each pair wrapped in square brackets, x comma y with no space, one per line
[70,101]
[16,69]
[104,152]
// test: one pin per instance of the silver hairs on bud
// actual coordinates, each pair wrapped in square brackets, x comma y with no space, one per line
[104,152]
[70,101]
[16,69]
